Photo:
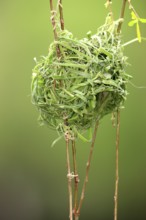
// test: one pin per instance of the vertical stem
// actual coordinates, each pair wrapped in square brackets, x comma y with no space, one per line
[61,15]
[117,167]
[87,168]
[76,217]
[53,19]
[132,8]
[76,179]
[122,15]
[69,179]
[110,9]
[53,13]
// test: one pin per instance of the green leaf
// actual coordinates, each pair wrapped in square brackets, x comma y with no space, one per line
[102,50]
[138,32]
[53,95]
[82,137]
[142,20]
[132,23]
[56,140]
[133,16]
[67,92]
[81,97]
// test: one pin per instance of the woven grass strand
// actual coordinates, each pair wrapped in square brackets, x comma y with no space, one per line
[90,79]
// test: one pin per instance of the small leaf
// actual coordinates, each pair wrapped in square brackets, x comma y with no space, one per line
[138,32]
[131,23]
[142,20]
[134,16]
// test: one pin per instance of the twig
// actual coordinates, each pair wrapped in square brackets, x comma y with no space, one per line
[76,179]
[69,177]
[132,8]
[117,167]
[61,15]
[132,41]
[53,14]
[87,168]
[110,9]
[122,15]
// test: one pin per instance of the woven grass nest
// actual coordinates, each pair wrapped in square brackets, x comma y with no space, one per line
[86,82]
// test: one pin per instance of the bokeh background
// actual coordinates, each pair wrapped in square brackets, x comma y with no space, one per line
[33,183]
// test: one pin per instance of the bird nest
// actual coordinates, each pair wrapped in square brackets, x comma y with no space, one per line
[84,83]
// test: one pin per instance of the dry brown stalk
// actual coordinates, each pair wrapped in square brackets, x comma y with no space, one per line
[53,14]
[88,168]
[76,179]
[122,15]
[69,177]
[117,167]
[61,14]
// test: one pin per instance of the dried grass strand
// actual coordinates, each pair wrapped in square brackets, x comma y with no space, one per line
[117,167]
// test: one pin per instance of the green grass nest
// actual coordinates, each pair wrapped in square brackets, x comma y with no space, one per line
[86,82]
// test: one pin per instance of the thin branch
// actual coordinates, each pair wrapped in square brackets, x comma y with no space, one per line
[76,217]
[132,8]
[117,167]
[61,15]
[76,179]
[69,178]
[53,14]
[110,9]
[122,15]
[132,41]
[88,168]
[129,42]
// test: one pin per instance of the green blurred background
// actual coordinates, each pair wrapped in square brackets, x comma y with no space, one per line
[33,183]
